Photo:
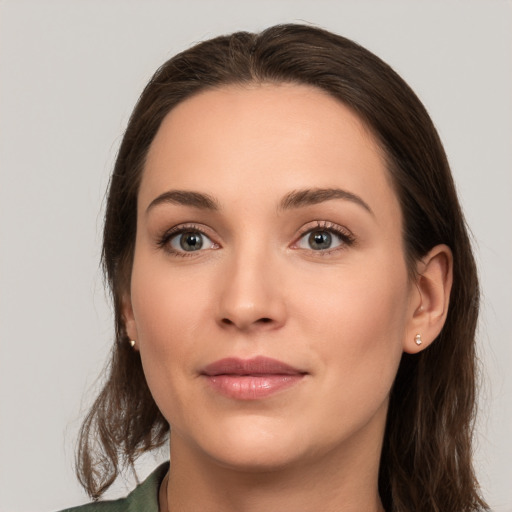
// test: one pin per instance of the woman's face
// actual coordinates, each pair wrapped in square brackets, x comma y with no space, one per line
[270,298]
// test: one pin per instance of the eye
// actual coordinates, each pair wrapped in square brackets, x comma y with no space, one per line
[189,240]
[319,240]
[324,238]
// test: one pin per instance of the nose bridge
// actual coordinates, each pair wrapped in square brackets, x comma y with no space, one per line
[251,294]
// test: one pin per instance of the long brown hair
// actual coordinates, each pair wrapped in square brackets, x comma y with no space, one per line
[426,459]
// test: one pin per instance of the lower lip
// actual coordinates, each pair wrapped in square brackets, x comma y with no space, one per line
[252,387]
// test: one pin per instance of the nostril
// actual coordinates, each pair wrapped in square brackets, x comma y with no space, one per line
[263,320]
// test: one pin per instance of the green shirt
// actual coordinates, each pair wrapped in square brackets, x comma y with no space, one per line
[144,498]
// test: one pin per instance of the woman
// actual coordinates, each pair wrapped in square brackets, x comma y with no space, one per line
[295,292]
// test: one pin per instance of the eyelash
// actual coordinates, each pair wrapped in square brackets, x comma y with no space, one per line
[163,241]
[346,237]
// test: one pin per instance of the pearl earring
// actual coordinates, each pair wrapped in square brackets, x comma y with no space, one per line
[417,339]
[132,343]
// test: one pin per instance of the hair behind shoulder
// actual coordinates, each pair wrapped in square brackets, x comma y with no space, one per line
[426,460]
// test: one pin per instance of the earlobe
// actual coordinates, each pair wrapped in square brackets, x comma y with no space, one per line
[129,320]
[429,306]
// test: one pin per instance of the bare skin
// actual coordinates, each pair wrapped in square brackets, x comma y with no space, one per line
[268,226]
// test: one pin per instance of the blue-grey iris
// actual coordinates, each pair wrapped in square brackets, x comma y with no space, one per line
[319,240]
[190,241]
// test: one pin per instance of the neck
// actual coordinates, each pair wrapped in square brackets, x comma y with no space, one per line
[341,482]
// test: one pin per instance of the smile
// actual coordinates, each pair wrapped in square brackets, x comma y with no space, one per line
[251,379]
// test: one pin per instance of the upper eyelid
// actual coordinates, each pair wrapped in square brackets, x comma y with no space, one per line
[192,226]
[323,225]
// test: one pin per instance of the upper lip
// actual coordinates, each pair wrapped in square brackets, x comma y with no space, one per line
[259,365]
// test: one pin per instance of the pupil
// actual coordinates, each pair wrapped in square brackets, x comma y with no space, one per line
[191,241]
[320,240]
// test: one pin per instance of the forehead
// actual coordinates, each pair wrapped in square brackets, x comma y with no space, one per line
[238,142]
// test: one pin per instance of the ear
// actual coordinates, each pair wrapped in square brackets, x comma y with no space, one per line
[129,320]
[430,299]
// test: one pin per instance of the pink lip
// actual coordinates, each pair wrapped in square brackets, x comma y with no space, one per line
[250,379]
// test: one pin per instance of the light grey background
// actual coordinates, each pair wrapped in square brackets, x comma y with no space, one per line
[71,72]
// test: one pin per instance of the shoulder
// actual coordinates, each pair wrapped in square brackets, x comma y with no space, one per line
[143,498]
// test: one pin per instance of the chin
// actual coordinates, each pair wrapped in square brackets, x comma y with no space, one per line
[256,459]
[253,444]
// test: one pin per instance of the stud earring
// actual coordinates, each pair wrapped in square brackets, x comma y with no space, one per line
[417,339]
[132,343]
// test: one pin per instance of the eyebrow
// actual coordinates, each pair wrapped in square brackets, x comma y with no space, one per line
[292,200]
[306,197]
[186,198]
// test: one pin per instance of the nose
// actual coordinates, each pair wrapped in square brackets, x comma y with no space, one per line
[251,294]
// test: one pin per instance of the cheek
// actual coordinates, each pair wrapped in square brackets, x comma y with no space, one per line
[170,304]
[169,313]
[358,323]
[162,311]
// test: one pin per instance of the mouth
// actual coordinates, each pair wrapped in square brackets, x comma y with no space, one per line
[251,379]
